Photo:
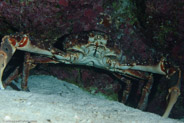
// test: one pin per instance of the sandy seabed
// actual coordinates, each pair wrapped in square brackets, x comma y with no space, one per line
[54,101]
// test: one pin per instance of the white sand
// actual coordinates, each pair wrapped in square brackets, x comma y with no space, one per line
[54,101]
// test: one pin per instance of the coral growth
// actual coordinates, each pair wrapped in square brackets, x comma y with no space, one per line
[164,25]
[145,30]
